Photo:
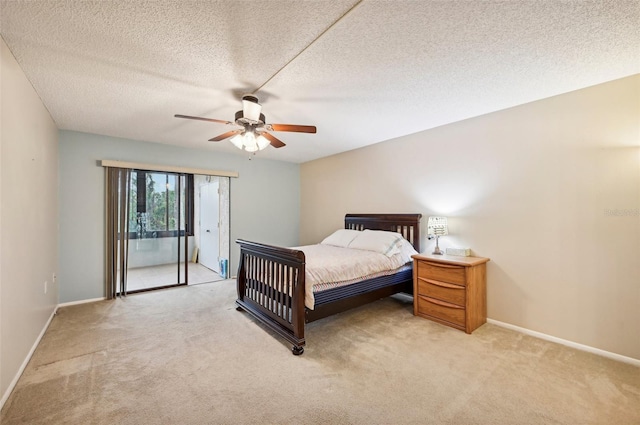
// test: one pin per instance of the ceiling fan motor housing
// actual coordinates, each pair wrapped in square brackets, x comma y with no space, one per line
[241,120]
[250,98]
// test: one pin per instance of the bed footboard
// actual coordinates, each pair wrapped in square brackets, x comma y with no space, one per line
[271,287]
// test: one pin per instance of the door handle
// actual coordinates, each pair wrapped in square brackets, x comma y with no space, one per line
[208,231]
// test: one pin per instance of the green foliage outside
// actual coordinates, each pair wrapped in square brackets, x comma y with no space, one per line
[161,206]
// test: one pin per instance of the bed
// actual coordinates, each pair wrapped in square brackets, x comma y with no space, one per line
[271,280]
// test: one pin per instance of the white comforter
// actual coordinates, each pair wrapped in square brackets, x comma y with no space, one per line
[326,263]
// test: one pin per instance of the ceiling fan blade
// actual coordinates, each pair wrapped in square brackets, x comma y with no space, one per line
[275,142]
[226,135]
[292,127]
[202,119]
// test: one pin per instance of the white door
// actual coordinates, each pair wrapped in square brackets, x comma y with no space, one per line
[209,226]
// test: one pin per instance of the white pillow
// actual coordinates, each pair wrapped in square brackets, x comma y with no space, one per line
[377,241]
[341,237]
[406,250]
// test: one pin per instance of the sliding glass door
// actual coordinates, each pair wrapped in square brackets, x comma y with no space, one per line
[164,229]
[160,223]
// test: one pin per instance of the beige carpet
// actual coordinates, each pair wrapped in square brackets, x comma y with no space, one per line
[186,356]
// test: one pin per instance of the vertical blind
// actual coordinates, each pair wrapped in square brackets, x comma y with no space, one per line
[117,230]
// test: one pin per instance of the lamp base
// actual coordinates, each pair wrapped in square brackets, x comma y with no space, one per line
[436,250]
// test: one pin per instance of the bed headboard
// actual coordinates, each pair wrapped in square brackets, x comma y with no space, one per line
[408,225]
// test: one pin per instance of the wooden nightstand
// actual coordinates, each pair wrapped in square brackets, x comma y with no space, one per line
[450,290]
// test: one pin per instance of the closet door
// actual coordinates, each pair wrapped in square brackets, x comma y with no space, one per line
[210,226]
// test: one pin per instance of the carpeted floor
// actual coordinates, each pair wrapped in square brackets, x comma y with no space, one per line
[186,356]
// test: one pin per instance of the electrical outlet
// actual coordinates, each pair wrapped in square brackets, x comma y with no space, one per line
[45,286]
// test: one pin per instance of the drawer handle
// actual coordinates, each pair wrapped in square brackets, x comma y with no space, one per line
[443,303]
[445,266]
[443,284]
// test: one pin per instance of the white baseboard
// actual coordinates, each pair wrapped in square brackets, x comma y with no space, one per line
[13,383]
[582,347]
[91,300]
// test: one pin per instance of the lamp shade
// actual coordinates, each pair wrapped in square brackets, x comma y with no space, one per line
[237,141]
[437,226]
[262,142]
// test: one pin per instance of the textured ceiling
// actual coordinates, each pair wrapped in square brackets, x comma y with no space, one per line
[361,71]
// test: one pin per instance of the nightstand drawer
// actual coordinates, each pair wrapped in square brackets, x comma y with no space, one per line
[442,272]
[444,291]
[442,310]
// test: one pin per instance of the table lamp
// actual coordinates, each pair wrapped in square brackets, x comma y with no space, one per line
[437,226]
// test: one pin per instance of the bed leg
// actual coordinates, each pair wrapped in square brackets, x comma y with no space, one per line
[238,308]
[297,350]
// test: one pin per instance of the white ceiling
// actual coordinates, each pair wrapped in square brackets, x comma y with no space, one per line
[361,71]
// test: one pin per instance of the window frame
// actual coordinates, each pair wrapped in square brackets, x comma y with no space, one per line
[188,202]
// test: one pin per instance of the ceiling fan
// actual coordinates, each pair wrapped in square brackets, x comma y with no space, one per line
[253,133]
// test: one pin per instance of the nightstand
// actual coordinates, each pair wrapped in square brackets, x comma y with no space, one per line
[450,290]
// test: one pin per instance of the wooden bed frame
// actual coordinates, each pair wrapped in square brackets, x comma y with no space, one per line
[271,279]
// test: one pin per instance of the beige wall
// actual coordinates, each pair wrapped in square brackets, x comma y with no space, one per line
[28,218]
[550,191]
